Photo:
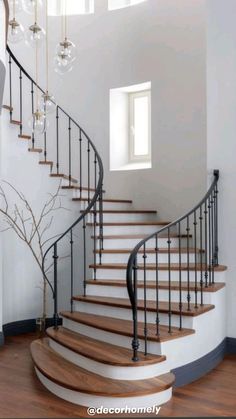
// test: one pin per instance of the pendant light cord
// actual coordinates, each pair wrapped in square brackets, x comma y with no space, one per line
[36,58]
[65,19]
[14,9]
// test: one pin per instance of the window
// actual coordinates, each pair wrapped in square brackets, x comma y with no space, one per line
[130,127]
[72,7]
[119,4]
[140,125]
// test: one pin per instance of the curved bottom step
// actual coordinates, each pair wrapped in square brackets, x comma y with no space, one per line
[79,386]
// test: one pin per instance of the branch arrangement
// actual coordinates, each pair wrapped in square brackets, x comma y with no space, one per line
[30,228]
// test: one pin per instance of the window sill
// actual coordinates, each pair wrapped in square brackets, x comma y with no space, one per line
[134,166]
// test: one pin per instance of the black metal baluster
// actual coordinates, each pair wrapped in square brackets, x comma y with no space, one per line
[95,219]
[101,223]
[69,129]
[180,278]
[88,151]
[55,296]
[209,236]
[169,283]
[145,331]
[71,271]
[135,341]
[45,146]
[201,255]
[21,104]
[157,288]
[10,88]
[57,130]
[206,246]
[85,256]
[216,228]
[188,267]
[212,239]
[32,108]
[80,163]
[195,259]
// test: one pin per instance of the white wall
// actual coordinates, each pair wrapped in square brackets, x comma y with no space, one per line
[2,78]
[221,148]
[159,41]
[2,49]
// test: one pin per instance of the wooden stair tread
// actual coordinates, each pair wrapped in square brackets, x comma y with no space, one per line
[35,150]
[24,137]
[61,175]
[125,327]
[161,266]
[135,223]
[124,212]
[99,351]
[118,201]
[7,107]
[68,375]
[14,122]
[140,236]
[151,305]
[151,251]
[161,285]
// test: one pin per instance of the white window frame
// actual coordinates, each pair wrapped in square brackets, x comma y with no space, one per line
[57,8]
[132,97]
[126,3]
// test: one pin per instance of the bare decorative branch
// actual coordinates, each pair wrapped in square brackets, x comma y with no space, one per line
[29,227]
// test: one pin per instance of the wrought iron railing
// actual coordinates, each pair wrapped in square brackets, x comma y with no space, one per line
[77,162]
[198,229]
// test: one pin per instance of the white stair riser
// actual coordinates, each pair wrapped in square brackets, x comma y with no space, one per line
[123,218]
[111,371]
[121,292]
[133,229]
[126,314]
[206,337]
[131,243]
[90,400]
[151,258]
[150,275]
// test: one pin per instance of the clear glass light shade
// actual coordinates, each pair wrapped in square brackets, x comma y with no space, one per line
[16,32]
[67,49]
[15,4]
[29,5]
[62,64]
[48,104]
[38,123]
[35,36]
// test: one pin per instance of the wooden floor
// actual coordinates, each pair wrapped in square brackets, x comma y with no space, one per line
[22,395]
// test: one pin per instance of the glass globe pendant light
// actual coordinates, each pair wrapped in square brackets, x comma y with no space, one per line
[29,6]
[48,104]
[35,34]
[16,30]
[65,50]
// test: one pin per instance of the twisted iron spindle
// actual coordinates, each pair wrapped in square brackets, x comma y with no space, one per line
[71,270]
[206,245]
[85,256]
[57,139]
[55,296]
[80,164]
[188,267]
[135,341]
[10,87]
[69,129]
[169,283]
[195,260]
[201,255]
[32,108]
[21,104]
[145,331]
[157,287]
[180,278]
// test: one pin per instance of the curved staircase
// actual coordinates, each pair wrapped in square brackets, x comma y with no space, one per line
[151,294]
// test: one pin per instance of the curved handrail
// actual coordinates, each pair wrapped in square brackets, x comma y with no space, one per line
[98,191]
[132,265]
